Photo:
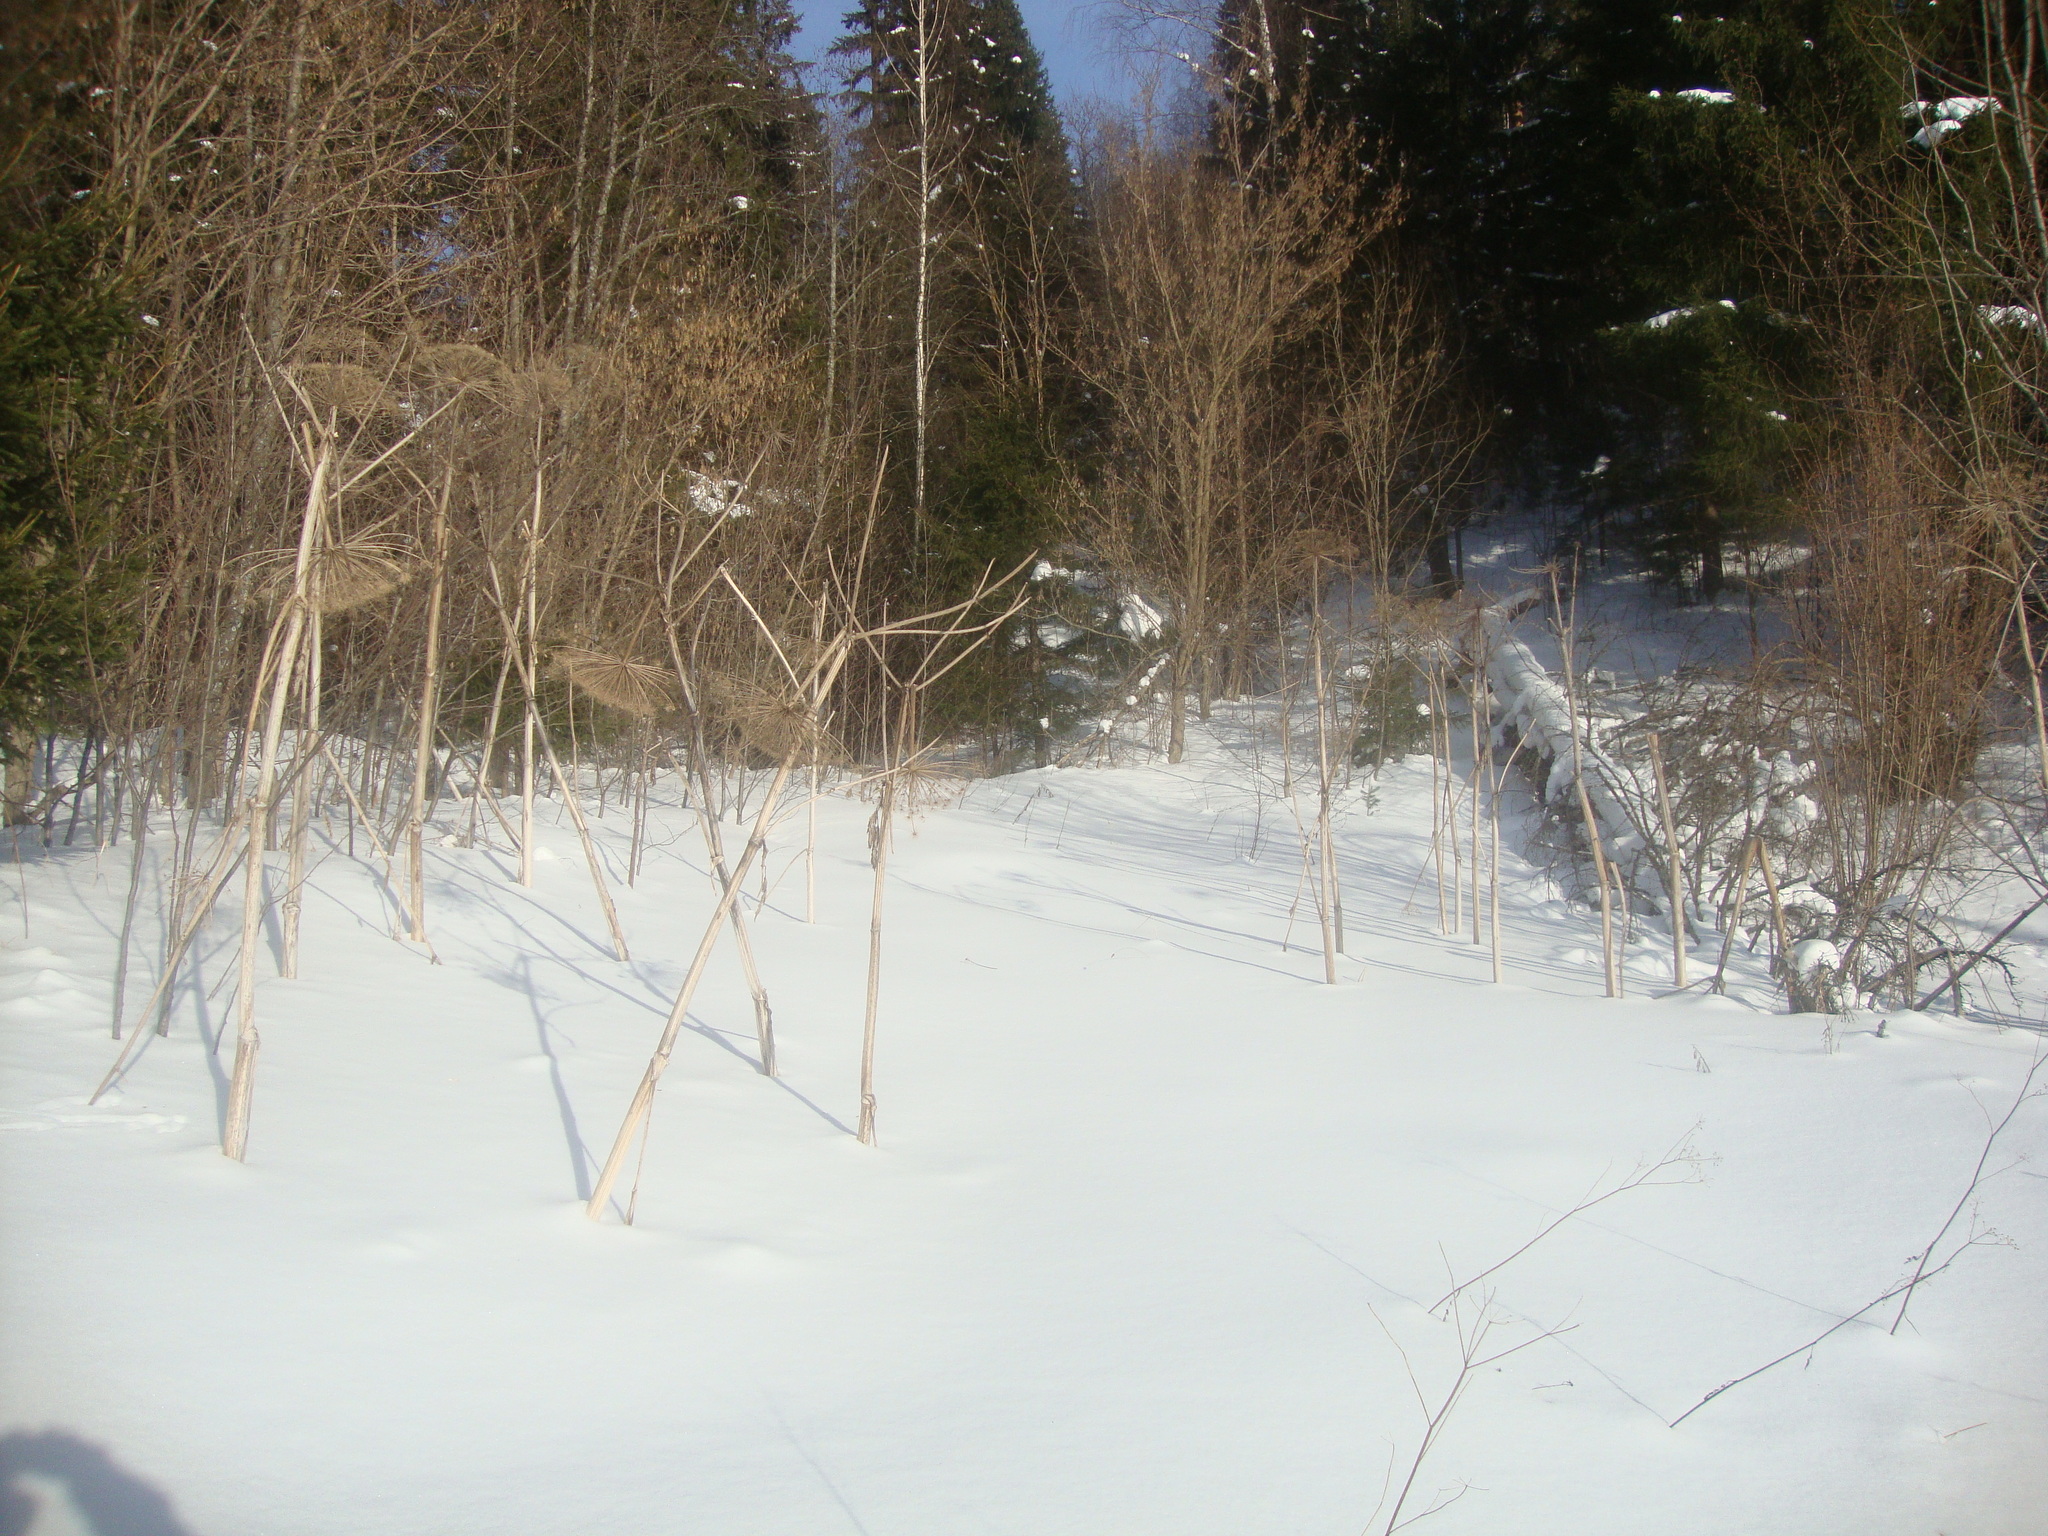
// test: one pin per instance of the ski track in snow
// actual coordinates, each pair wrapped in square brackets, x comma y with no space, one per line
[1151,1211]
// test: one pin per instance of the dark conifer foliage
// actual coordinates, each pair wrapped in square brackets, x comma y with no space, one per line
[1839,209]
[1642,220]
[61,455]
[983,154]
[629,123]
[67,436]
[1503,126]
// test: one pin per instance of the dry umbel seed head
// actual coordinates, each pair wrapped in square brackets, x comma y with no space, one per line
[458,362]
[339,576]
[631,687]
[1312,546]
[345,388]
[771,720]
[2008,499]
[538,389]
[339,344]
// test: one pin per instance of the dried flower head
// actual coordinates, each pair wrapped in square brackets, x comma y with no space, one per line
[631,687]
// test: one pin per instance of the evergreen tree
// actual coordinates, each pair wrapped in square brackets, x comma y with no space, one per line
[966,222]
[638,134]
[60,324]
[1702,436]
[1606,194]
[1500,127]
[1814,215]
[1427,100]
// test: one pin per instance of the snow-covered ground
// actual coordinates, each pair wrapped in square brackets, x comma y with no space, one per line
[1149,1245]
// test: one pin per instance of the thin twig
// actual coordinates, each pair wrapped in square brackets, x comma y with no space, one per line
[1681,1154]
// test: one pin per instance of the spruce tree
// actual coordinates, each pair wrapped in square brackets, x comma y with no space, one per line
[639,134]
[977,171]
[1568,172]
[61,323]
[1496,126]
[1797,216]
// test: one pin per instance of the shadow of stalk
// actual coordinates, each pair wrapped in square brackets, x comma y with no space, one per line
[114,1501]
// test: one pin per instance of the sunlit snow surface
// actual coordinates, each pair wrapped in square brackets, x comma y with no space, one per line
[1153,1217]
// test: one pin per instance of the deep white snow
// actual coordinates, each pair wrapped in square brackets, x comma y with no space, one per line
[1149,1245]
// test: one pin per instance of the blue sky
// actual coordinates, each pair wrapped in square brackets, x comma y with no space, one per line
[1078,51]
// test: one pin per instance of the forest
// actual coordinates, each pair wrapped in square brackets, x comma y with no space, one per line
[454,372]
[552,364]
[1285,671]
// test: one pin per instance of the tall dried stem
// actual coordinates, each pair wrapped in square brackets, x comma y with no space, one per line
[423,750]
[1675,869]
[1325,846]
[319,450]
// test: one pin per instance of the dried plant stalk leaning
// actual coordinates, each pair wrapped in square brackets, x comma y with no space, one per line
[1676,871]
[643,1097]
[319,449]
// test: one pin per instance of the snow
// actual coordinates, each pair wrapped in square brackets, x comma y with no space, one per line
[1683,312]
[1953,109]
[1939,119]
[1541,711]
[1702,95]
[1154,1218]
[1080,580]
[1138,619]
[1810,955]
[715,498]
[2019,315]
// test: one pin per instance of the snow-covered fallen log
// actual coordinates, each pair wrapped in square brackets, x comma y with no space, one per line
[1539,708]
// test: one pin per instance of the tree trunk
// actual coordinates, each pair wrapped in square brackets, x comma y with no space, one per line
[1443,580]
[17,775]
[1713,575]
